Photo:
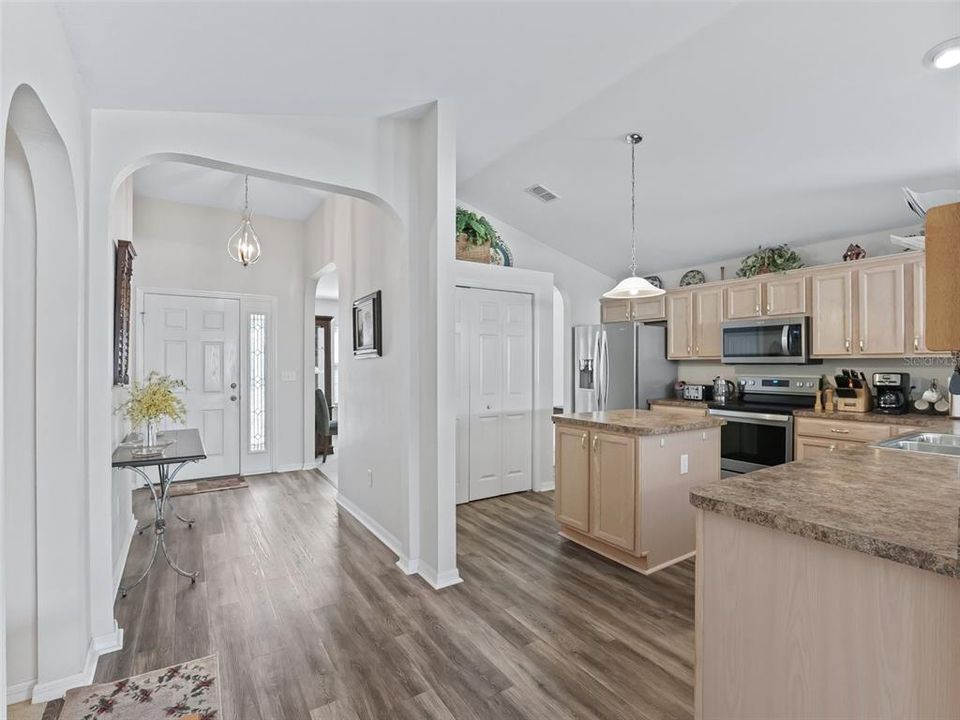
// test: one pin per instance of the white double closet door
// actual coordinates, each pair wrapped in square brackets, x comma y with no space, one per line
[494,358]
[197,339]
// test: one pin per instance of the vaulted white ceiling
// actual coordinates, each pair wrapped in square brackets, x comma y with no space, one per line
[763,122]
[196,185]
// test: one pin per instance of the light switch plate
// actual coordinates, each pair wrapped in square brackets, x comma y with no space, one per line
[684,464]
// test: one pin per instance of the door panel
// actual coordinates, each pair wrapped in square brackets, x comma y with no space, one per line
[197,340]
[461,360]
[882,310]
[572,494]
[832,311]
[496,339]
[613,488]
[743,301]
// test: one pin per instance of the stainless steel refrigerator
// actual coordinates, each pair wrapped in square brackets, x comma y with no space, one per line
[620,366]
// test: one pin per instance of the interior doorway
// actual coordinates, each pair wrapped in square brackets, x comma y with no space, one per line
[326,370]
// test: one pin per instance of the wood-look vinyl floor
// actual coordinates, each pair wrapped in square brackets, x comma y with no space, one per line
[312,619]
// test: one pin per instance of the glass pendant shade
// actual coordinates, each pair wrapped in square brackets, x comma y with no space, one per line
[244,245]
[633,287]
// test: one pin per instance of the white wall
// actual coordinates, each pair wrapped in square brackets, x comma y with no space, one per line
[183,247]
[34,53]
[19,267]
[580,285]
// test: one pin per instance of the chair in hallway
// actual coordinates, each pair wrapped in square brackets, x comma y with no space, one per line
[325,428]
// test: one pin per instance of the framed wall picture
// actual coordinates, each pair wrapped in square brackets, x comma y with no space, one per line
[122,308]
[367,328]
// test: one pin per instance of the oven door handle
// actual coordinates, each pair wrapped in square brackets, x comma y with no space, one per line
[752,417]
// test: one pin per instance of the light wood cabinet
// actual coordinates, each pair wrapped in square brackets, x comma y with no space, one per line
[640,310]
[572,495]
[821,435]
[678,410]
[811,447]
[613,486]
[832,310]
[707,316]
[786,295]
[881,310]
[744,300]
[680,325]
[917,340]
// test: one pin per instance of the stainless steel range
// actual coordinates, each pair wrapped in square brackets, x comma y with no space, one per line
[759,429]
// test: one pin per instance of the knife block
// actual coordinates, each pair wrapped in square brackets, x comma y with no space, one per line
[856,400]
[942,330]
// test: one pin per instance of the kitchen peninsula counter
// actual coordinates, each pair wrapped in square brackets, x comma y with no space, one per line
[830,587]
[623,480]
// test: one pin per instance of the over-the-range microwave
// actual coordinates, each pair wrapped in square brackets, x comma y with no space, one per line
[766,341]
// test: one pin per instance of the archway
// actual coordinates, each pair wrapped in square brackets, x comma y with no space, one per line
[42,383]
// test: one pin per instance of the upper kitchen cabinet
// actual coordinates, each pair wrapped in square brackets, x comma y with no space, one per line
[787,294]
[832,311]
[882,310]
[774,294]
[707,316]
[640,310]
[693,324]
[917,338]
[679,325]
[743,300]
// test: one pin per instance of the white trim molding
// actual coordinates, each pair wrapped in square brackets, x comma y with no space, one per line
[121,562]
[100,645]
[443,580]
[20,692]
[380,532]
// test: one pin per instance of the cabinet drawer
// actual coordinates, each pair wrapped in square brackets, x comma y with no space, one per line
[811,447]
[863,432]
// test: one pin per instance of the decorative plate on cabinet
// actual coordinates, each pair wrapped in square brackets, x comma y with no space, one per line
[500,254]
[693,277]
[655,281]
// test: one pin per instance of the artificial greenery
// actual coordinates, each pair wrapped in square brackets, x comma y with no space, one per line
[154,400]
[477,228]
[771,259]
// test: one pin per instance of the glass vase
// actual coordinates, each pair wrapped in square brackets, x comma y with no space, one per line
[150,434]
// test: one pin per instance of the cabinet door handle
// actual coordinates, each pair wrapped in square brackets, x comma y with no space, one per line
[768,308]
[832,448]
[861,344]
[916,344]
[688,349]
[583,441]
[840,431]
[595,438]
[846,344]
[757,309]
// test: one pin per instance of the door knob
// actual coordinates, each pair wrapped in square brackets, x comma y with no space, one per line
[233,398]
[233,386]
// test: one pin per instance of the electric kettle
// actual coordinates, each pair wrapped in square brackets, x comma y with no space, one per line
[723,390]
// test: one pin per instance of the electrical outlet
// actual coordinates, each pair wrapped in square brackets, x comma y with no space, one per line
[684,464]
[370,476]
[288,376]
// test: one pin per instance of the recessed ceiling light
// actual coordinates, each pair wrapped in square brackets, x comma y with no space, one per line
[944,56]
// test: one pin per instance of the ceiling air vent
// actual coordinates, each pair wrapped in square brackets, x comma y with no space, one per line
[541,193]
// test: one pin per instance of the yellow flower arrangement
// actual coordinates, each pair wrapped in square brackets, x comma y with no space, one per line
[154,400]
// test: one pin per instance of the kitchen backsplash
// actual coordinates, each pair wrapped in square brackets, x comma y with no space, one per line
[921,369]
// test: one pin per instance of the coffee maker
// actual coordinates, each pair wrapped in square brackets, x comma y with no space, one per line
[893,393]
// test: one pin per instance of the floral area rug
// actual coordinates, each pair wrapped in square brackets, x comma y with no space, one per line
[189,691]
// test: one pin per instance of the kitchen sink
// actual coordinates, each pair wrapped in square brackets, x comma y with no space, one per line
[924,442]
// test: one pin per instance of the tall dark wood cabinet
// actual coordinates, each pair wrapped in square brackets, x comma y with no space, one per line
[122,307]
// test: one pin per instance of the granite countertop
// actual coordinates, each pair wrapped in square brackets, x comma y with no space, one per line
[677,402]
[638,422]
[892,504]
[940,422]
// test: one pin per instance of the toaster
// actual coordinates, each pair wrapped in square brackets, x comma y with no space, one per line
[697,392]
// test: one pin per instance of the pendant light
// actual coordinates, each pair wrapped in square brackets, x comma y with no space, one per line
[633,286]
[244,245]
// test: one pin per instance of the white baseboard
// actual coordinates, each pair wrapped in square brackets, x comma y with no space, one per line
[20,691]
[122,557]
[100,645]
[545,487]
[292,467]
[381,533]
[408,566]
[441,580]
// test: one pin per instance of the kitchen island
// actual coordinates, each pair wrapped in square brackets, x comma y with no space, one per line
[623,479]
[830,587]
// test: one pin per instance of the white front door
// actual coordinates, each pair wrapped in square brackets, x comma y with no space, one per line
[197,339]
[499,344]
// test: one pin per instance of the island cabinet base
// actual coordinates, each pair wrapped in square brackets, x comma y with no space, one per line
[792,628]
[627,496]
